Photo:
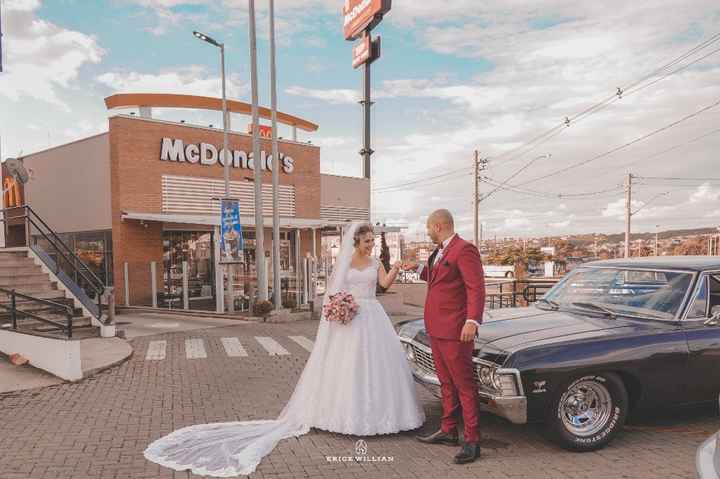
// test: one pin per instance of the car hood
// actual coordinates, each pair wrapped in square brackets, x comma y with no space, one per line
[507,330]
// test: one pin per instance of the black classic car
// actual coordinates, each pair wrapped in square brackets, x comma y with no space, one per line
[610,338]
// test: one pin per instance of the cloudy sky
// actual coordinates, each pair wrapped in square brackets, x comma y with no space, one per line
[499,76]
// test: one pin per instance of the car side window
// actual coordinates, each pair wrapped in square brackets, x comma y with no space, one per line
[714,290]
[699,306]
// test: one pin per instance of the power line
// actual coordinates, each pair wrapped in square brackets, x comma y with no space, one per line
[492,182]
[424,183]
[627,90]
[621,147]
[558,129]
[670,178]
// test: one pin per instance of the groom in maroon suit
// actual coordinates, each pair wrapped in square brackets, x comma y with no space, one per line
[453,311]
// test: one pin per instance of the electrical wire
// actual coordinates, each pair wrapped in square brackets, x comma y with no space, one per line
[621,147]
[627,90]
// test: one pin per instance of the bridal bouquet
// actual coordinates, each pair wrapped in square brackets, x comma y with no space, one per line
[341,308]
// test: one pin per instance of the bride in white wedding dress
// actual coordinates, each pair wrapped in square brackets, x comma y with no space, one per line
[356,381]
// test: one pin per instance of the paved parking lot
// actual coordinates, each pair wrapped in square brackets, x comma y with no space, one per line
[98,428]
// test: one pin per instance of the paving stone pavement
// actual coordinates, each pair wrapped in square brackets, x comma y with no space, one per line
[99,427]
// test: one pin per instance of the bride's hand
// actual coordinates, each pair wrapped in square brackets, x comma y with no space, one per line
[398,265]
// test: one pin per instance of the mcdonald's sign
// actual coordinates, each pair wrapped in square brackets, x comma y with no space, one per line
[12,193]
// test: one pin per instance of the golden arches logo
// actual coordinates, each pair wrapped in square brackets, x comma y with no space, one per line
[12,193]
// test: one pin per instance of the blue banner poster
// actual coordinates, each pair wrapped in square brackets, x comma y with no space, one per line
[231,240]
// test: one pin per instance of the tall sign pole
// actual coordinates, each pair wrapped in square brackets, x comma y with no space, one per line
[275,165]
[366,103]
[359,18]
[257,170]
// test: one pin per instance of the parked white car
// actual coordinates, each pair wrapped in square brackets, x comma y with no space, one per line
[499,271]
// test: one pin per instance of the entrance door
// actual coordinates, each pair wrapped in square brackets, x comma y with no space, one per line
[195,247]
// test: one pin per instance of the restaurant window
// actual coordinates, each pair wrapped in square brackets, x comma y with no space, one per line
[195,247]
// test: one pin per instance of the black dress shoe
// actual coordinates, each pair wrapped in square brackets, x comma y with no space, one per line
[440,437]
[469,452]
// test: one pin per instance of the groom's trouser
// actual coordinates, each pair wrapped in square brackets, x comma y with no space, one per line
[454,366]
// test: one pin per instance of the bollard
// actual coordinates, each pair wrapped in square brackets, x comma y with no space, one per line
[153,283]
[127,284]
[186,295]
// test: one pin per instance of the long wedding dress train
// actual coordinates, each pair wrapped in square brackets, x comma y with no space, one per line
[356,381]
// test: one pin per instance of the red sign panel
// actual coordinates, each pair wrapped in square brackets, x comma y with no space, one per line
[361,52]
[264,131]
[361,14]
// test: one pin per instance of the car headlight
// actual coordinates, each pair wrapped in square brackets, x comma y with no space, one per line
[495,378]
[486,374]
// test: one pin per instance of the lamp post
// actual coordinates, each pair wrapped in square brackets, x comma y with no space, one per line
[225,156]
[275,166]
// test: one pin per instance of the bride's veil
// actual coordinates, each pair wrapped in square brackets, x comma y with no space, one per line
[342,261]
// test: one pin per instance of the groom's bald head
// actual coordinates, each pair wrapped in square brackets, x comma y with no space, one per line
[440,225]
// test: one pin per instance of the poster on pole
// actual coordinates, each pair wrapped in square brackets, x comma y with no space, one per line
[231,240]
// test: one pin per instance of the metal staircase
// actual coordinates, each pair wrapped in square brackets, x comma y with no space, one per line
[37,295]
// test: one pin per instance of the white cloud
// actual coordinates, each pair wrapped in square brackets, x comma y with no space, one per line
[192,80]
[335,96]
[704,193]
[42,59]
[332,141]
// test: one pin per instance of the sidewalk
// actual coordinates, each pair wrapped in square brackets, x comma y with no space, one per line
[96,354]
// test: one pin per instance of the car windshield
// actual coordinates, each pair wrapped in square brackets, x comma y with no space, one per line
[657,294]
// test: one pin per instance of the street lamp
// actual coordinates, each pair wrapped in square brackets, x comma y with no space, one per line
[224,154]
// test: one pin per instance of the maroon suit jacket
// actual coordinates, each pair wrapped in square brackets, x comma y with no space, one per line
[456,290]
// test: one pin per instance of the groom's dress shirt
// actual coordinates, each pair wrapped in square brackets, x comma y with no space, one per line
[436,260]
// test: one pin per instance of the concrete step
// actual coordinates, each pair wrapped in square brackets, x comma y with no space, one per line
[25,281]
[53,295]
[4,253]
[15,262]
[20,270]
[31,288]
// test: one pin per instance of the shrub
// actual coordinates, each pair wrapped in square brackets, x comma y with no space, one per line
[262,308]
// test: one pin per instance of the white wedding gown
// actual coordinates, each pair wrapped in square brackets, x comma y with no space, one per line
[356,381]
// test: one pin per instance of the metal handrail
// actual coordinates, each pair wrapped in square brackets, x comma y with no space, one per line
[93,281]
[14,310]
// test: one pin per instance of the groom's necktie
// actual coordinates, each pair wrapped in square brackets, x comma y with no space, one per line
[437,254]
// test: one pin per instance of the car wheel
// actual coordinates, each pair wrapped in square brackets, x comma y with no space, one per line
[587,411]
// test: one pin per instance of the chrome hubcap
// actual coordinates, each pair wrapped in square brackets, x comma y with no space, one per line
[585,408]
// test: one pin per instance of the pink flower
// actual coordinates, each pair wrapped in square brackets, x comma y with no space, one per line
[341,308]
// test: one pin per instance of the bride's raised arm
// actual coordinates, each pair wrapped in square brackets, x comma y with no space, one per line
[387,278]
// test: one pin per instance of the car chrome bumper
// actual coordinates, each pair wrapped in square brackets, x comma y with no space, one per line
[707,459]
[512,408]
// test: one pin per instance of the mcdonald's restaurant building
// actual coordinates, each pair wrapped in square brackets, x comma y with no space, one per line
[140,201]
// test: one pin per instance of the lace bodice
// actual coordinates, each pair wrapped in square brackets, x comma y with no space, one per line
[362,283]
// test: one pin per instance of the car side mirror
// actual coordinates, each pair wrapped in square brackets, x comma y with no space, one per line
[714,318]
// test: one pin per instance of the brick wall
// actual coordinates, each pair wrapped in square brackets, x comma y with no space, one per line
[135,181]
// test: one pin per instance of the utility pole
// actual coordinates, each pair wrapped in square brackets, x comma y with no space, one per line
[275,166]
[480,165]
[657,251]
[628,213]
[477,199]
[257,167]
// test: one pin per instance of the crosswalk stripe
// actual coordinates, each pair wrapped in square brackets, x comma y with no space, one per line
[303,341]
[156,351]
[195,348]
[233,348]
[271,346]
